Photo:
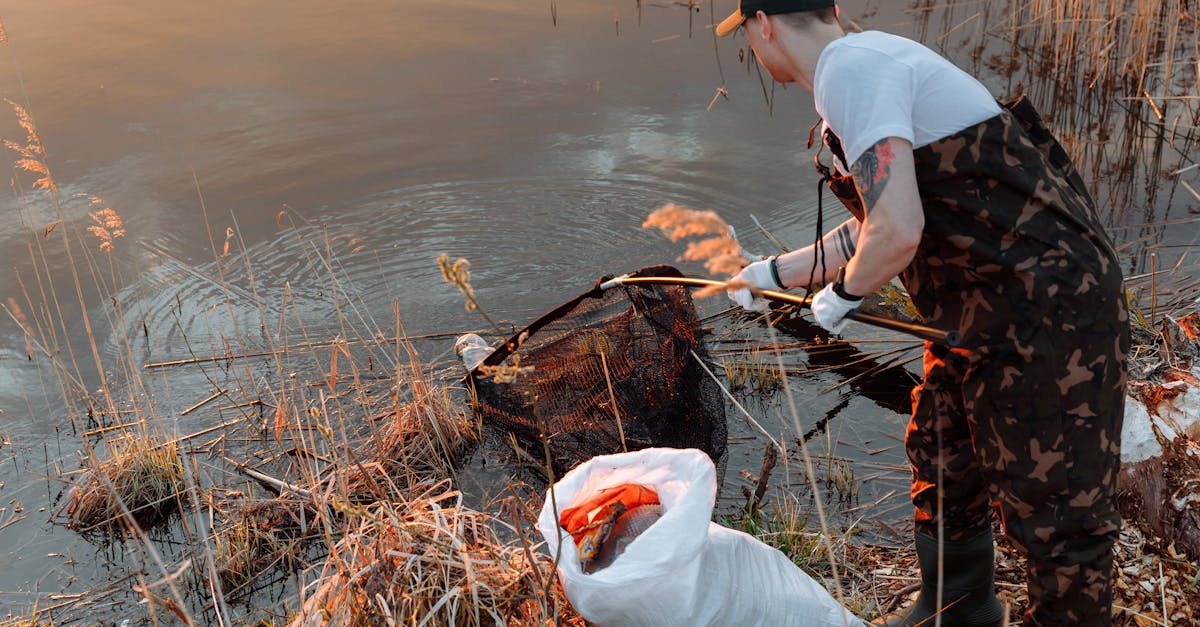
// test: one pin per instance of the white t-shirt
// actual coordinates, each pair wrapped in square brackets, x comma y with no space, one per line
[873,85]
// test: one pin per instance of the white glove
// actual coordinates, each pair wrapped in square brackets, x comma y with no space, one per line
[830,310]
[759,274]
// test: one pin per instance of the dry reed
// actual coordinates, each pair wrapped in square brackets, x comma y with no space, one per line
[140,476]
[428,559]
[1114,80]
[428,434]
[32,152]
[264,536]
[107,224]
[720,252]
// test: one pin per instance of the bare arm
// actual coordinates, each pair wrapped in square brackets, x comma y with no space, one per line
[887,182]
[839,245]
[879,248]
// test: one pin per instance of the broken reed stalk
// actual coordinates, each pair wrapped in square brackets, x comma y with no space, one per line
[754,500]
[1153,288]
[277,352]
[613,399]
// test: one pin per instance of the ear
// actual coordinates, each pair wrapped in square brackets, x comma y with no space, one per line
[766,28]
[837,13]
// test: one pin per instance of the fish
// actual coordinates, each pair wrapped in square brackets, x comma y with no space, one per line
[628,526]
[590,538]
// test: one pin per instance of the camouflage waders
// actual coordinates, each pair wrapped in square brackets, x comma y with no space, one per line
[1027,413]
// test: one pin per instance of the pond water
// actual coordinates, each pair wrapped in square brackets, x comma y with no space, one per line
[244,144]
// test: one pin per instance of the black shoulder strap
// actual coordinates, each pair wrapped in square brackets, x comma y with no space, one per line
[1035,128]
[828,138]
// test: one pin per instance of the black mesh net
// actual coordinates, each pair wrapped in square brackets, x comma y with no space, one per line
[643,341]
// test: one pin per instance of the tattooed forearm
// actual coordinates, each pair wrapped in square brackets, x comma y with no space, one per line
[871,172]
[844,240]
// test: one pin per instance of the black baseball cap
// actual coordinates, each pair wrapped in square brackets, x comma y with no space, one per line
[747,8]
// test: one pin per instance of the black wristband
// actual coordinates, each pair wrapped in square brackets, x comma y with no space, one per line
[774,266]
[839,287]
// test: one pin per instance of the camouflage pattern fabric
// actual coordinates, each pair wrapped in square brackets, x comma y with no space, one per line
[1027,414]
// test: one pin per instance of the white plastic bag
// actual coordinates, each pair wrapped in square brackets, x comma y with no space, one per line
[684,569]
[472,349]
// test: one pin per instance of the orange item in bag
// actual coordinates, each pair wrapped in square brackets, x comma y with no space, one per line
[590,522]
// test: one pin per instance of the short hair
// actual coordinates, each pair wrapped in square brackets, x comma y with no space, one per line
[803,19]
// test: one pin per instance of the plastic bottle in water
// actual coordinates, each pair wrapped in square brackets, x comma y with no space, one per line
[472,349]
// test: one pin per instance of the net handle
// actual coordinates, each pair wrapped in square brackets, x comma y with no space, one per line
[937,336]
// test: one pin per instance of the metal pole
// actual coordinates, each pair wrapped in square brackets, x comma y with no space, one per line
[937,336]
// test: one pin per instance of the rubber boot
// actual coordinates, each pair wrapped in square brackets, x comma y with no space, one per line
[968,591]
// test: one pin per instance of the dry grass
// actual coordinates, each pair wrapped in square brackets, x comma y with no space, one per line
[751,372]
[399,545]
[262,536]
[429,560]
[429,434]
[413,443]
[140,477]
[1146,577]
[405,550]
[877,579]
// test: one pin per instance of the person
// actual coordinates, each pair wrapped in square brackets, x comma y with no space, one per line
[978,210]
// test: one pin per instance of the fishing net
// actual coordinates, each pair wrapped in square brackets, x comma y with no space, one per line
[607,371]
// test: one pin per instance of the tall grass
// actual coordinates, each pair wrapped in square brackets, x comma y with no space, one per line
[1116,80]
[135,480]
[340,438]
